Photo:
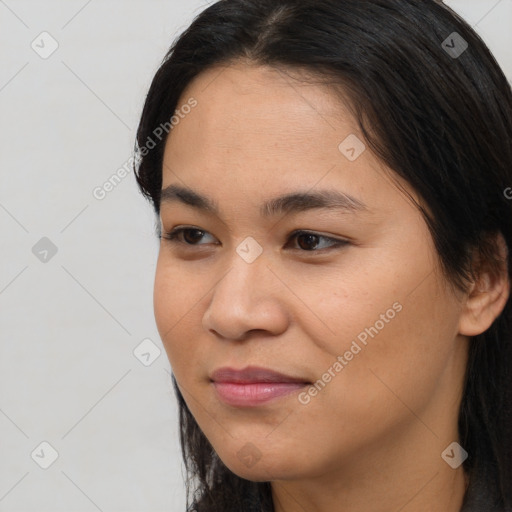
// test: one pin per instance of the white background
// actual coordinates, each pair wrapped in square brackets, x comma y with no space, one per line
[68,327]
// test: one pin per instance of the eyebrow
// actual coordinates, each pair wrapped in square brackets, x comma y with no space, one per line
[295,202]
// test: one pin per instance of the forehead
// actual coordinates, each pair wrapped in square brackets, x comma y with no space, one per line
[256,129]
[244,105]
[246,111]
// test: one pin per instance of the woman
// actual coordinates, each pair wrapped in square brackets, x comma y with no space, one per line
[339,327]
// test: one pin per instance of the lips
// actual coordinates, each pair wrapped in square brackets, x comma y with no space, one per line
[253,374]
[253,386]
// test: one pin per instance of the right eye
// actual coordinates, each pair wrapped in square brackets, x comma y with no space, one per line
[193,234]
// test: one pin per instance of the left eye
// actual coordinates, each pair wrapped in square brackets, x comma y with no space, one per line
[310,240]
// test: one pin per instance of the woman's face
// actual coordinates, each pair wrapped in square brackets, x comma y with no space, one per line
[367,328]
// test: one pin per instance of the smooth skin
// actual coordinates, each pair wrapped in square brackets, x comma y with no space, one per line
[372,438]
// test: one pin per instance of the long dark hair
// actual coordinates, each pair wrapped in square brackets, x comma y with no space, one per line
[435,112]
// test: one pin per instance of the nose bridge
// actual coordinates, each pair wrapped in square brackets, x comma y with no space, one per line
[242,299]
[244,284]
[248,275]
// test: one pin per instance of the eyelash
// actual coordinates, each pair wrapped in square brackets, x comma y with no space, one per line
[172,236]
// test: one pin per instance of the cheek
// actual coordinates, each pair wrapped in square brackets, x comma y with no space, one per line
[174,300]
[164,301]
[393,363]
[396,331]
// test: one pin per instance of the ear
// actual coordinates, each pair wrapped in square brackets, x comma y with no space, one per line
[488,294]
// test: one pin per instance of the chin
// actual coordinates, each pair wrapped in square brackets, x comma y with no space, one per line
[260,466]
[252,474]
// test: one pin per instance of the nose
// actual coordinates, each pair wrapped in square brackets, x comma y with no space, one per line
[248,298]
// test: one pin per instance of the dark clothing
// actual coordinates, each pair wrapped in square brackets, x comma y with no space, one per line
[478,498]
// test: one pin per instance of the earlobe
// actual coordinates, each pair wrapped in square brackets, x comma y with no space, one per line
[488,295]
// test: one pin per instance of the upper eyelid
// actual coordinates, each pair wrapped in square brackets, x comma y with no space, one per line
[293,234]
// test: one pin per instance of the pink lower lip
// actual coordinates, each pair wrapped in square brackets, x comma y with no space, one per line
[256,393]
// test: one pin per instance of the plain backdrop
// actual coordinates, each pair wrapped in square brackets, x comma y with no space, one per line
[85,386]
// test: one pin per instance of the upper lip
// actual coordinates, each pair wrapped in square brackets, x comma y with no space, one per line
[252,374]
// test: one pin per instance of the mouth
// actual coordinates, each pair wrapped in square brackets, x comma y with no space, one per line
[253,386]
